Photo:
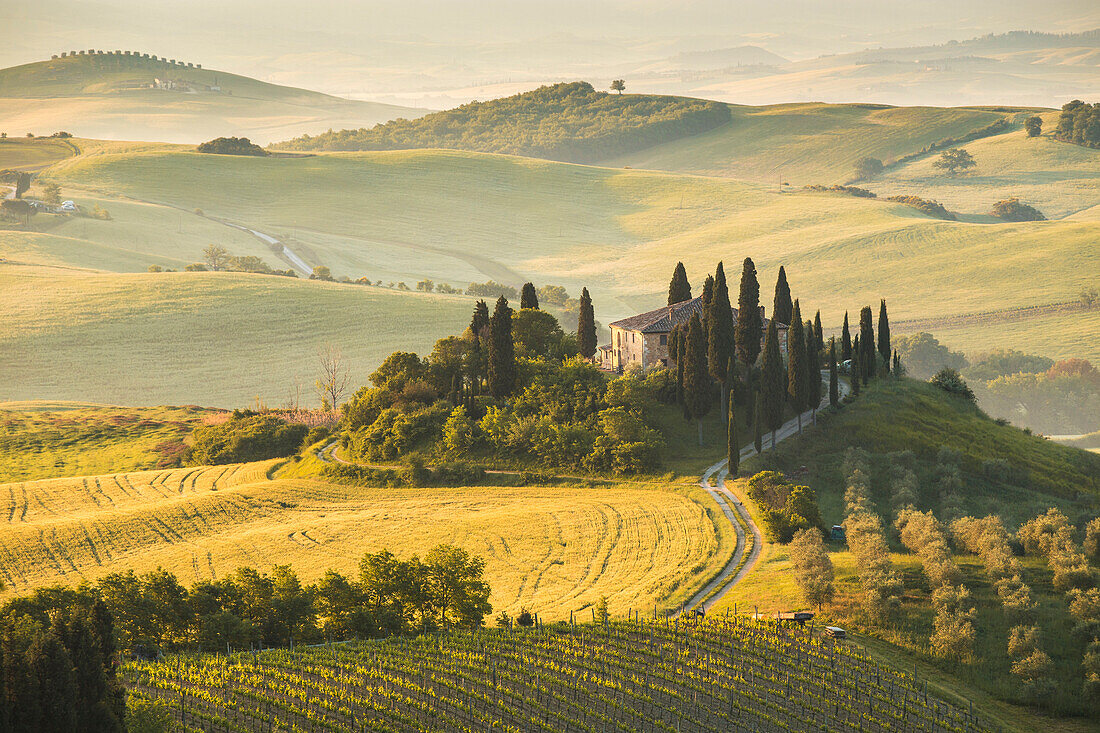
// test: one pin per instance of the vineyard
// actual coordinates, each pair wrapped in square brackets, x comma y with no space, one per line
[722,674]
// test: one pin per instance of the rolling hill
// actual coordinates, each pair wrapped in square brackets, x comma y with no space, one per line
[198,338]
[619,232]
[550,548]
[116,96]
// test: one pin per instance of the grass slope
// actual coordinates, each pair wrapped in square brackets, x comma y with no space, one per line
[550,549]
[30,154]
[48,440]
[1060,179]
[907,415]
[206,338]
[807,143]
[109,96]
[618,232]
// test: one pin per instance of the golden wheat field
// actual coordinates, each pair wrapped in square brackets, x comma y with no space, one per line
[550,549]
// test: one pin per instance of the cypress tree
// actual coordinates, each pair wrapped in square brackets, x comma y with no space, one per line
[897,364]
[867,343]
[720,346]
[586,326]
[782,308]
[528,298]
[732,445]
[857,375]
[479,326]
[747,333]
[845,340]
[502,351]
[834,378]
[708,294]
[676,342]
[813,379]
[679,289]
[797,389]
[697,385]
[480,321]
[757,427]
[884,335]
[819,334]
[772,387]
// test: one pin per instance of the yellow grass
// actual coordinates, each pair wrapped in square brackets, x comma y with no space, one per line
[31,154]
[550,549]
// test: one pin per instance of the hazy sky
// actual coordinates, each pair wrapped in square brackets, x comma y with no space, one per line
[329,44]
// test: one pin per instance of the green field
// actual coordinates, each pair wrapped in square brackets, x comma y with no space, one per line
[807,143]
[616,232]
[1059,179]
[30,154]
[198,338]
[552,549]
[48,440]
[109,96]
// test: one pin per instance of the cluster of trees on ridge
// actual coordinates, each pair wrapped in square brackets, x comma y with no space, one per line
[231,146]
[1079,123]
[514,386]
[569,122]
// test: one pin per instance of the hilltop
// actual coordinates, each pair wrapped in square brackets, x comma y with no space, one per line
[568,122]
[123,95]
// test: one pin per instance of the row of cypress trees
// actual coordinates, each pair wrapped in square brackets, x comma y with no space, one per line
[717,358]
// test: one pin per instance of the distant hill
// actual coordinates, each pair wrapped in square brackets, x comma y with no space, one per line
[569,122]
[117,96]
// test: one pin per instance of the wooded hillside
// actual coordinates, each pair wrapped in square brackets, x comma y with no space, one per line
[568,122]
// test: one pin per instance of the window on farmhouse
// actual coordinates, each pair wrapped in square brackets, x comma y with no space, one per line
[664,340]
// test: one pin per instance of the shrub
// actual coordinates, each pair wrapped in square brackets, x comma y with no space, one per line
[231,146]
[868,167]
[459,431]
[1012,209]
[932,208]
[525,618]
[246,436]
[951,381]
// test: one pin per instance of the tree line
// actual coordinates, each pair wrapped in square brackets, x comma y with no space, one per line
[151,613]
[570,122]
[1079,124]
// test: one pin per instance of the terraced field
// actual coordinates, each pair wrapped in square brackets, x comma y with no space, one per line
[551,549]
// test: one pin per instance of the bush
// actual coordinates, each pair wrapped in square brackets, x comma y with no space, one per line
[861,193]
[928,206]
[785,508]
[951,381]
[868,167]
[231,146]
[246,436]
[1012,209]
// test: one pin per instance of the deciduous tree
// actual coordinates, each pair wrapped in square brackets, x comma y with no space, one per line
[1034,126]
[813,570]
[332,382]
[954,160]
[215,257]
[618,85]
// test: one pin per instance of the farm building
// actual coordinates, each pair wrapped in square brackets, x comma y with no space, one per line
[642,340]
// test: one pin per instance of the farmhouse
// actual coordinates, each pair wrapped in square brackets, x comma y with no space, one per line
[642,340]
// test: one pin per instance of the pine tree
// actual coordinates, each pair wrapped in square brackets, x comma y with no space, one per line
[732,445]
[772,386]
[845,340]
[747,333]
[797,392]
[679,289]
[834,377]
[757,424]
[528,298]
[884,335]
[819,334]
[720,347]
[502,351]
[586,326]
[781,304]
[867,343]
[697,385]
